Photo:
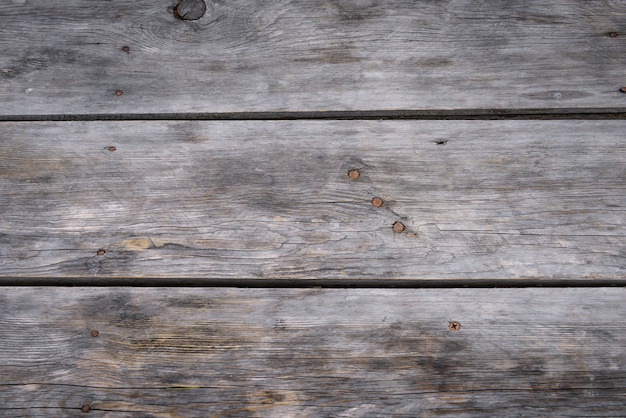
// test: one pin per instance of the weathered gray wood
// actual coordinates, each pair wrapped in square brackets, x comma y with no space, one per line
[273,200]
[312,352]
[63,57]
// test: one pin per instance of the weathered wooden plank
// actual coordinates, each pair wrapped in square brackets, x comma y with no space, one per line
[273,200]
[82,56]
[312,352]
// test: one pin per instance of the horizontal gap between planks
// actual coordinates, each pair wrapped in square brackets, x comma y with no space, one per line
[454,114]
[313,283]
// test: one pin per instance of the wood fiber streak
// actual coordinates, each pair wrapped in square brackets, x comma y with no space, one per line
[174,352]
[273,200]
[68,57]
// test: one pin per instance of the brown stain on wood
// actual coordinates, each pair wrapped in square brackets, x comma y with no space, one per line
[137,244]
[40,170]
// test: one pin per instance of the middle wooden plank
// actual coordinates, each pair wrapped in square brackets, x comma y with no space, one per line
[242,200]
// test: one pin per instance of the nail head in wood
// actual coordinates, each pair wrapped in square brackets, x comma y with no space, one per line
[126,49]
[623,89]
[398,227]
[101,252]
[95,333]
[111,148]
[119,92]
[613,34]
[85,408]
[190,9]
[377,202]
[454,326]
[354,174]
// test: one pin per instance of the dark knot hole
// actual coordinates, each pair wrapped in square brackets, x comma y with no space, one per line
[190,9]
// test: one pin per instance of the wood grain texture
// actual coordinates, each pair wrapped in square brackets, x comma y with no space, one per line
[170,352]
[273,200]
[64,57]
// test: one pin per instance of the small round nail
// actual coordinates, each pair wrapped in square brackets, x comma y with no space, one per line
[398,227]
[100,252]
[613,34]
[111,148]
[94,333]
[85,408]
[623,89]
[354,174]
[126,48]
[119,92]
[377,202]
[454,326]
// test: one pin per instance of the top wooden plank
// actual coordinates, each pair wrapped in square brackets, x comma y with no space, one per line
[90,57]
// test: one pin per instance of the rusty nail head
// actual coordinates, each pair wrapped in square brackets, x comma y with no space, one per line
[85,408]
[111,148]
[623,89]
[119,92]
[126,49]
[94,333]
[398,227]
[377,202]
[101,252]
[354,174]
[614,34]
[454,326]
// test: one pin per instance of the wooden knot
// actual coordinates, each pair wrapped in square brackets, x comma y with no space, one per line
[190,9]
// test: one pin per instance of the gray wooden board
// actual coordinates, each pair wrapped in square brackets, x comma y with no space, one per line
[64,57]
[273,200]
[312,352]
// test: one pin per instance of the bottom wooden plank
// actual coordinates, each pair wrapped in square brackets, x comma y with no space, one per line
[169,352]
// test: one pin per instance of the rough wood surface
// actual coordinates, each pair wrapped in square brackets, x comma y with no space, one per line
[169,352]
[273,200]
[63,57]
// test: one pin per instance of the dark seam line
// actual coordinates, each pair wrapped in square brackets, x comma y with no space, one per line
[456,114]
[313,283]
